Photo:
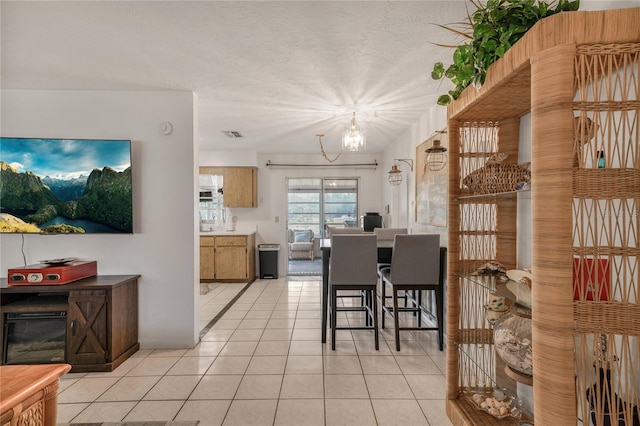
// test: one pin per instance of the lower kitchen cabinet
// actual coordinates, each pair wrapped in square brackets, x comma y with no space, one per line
[228,258]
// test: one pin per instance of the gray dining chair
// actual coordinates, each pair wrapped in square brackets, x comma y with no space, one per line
[388,233]
[415,268]
[352,266]
[334,230]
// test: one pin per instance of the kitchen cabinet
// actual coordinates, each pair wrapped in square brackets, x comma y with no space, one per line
[576,73]
[207,258]
[227,258]
[240,185]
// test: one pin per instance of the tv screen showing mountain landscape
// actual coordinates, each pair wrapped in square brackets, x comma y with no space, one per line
[54,186]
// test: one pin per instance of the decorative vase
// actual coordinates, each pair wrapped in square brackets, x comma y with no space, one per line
[512,340]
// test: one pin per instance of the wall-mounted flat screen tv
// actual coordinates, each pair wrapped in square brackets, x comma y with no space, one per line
[62,186]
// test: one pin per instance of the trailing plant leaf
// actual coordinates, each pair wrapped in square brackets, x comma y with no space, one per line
[438,71]
[492,29]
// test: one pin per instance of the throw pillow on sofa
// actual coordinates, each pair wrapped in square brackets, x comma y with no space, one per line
[301,237]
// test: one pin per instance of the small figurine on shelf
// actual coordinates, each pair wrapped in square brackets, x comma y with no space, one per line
[601,163]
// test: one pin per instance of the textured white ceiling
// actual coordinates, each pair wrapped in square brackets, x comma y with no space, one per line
[278,72]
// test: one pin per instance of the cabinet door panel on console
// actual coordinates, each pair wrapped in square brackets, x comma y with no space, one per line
[87,327]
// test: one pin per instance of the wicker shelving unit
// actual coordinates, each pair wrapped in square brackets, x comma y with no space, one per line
[570,71]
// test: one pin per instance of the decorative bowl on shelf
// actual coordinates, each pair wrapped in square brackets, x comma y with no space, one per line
[519,283]
[496,402]
[512,340]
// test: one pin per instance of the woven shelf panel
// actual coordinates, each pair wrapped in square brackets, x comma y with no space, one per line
[607,318]
[478,336]
[606,184]
[477,366]
[472,300]
[477,359]
[478,221]
[605,230]
[607,226]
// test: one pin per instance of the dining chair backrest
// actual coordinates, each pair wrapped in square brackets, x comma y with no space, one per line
[415,259]
[353,259]
[335,230]
[388,233]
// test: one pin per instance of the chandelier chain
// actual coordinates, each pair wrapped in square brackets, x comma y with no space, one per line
[324,154]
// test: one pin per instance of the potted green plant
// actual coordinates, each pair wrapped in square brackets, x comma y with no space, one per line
[490,31]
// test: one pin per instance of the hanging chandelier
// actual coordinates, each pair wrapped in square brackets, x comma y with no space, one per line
[353,137]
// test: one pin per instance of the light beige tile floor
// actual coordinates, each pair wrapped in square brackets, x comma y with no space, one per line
[262,363]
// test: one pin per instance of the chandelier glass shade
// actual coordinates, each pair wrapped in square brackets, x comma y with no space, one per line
[353,137]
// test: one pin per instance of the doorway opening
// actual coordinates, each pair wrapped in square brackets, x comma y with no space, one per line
[312,205]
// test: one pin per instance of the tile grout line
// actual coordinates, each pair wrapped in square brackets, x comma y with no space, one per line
[219,315]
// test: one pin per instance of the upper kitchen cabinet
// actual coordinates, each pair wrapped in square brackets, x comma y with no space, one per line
[240,187]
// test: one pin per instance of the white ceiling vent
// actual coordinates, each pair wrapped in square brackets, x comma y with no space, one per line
[233,134]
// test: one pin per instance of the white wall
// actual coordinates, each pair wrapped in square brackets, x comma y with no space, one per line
[162,248]
[402,198]
[269,218]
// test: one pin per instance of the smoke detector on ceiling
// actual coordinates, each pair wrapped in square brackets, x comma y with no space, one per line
[233,134]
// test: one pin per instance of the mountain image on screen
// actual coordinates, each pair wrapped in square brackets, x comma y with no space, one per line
[68,199]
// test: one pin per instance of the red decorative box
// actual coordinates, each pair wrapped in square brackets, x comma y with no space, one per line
[591,279]
[52,274]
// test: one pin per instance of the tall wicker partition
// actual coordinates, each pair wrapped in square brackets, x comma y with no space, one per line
[578,74]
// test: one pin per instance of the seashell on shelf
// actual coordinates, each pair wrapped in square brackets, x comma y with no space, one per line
[495,402]
[520,285]
[491,268]
[519,275]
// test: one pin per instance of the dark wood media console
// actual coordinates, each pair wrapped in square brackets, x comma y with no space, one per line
[101,317]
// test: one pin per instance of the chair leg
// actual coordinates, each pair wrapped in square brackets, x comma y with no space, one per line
[334,317]
[375,317]
[383,295]
[418,295]
[367,317]
[396,319]
[440,317]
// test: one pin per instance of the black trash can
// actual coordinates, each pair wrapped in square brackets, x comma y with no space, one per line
[268,260]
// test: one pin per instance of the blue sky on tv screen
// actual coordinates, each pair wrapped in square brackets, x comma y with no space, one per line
[64,158]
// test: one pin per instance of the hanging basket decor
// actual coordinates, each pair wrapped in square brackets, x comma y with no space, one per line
[496,177]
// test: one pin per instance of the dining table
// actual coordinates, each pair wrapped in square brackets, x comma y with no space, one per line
[385,250]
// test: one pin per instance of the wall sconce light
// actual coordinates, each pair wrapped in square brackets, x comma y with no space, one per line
[436,157]
[395,174]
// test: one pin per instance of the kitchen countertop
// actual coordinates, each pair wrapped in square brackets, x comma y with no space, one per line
[239,231]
